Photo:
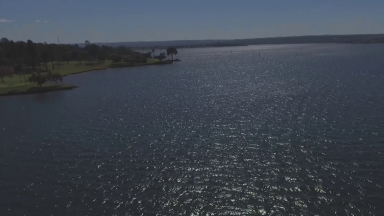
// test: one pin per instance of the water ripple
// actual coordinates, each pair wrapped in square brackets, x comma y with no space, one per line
[222,133]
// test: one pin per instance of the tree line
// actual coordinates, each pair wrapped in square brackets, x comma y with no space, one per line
[39,55]
[32,56]
[29,57]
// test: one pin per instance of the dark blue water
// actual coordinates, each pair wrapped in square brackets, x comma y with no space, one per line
[297,130]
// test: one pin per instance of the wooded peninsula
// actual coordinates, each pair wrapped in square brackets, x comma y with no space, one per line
[28,67]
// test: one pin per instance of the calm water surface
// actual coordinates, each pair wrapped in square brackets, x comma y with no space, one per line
[298,129]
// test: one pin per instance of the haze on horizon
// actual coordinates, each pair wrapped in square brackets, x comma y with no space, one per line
[121,21]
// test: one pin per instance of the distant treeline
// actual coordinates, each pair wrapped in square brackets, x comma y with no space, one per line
[372,41]
[253,41]
[32,56]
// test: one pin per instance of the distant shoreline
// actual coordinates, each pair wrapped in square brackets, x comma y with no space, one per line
[264,44]
[306,39]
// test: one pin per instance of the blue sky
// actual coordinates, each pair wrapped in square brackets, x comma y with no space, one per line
[75,21]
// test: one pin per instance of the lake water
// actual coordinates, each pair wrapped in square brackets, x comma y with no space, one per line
[296,129]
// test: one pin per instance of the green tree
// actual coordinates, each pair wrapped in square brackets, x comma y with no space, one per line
[116,58]
[75,55]
[20,53]
[19,70]
[67,57]
[39,79]
[93,51]
[52,55]
[45,58]
[2,56]
[161,57]
[4,40]
[32,53]
[2,78]
[171,51]
[148,55]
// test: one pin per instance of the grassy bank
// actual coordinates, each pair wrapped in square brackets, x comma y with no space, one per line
[20,85]
[32,89]
[154,62]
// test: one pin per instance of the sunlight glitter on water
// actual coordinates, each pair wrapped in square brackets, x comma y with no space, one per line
[217,134]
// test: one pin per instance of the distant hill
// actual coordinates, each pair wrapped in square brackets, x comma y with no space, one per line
[373,38]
